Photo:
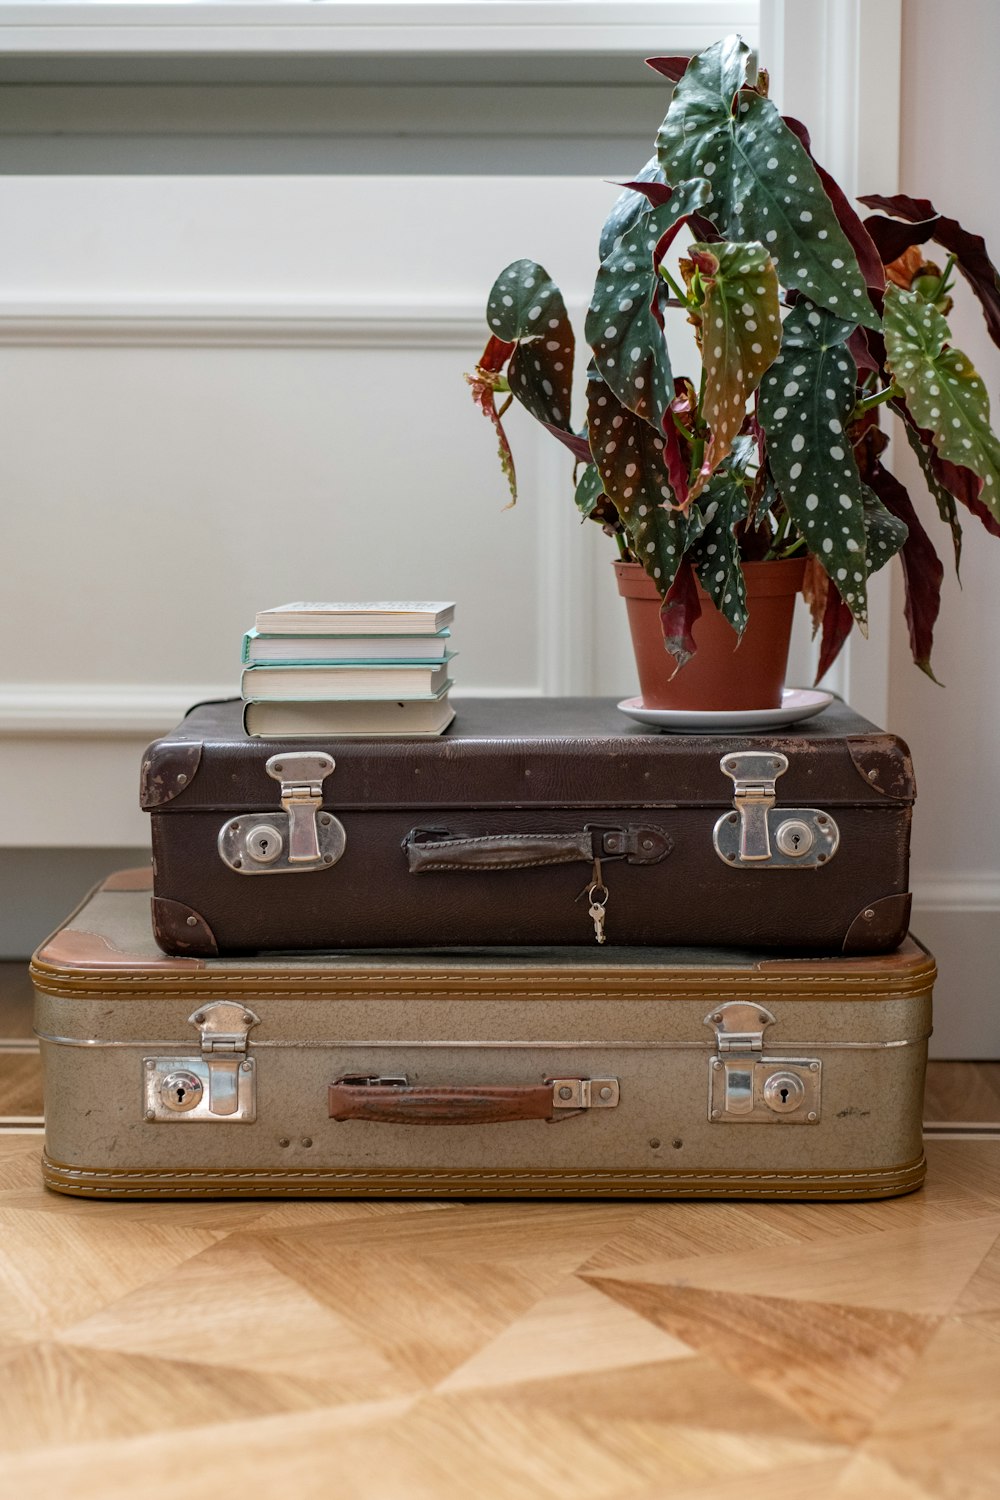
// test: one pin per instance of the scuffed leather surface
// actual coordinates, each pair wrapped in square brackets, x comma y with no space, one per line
[524,768]
[181,930]
[168,767]
[543,752]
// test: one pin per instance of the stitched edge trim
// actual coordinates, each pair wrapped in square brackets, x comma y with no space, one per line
[865,1183]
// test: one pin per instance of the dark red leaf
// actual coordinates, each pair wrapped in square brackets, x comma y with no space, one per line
[578,446]
[656,192]
[922,569]
[815,590]
[678,613]
[496,354]
[837,622]
[861,241]
[673,68]
[956,479]
[861,344]
[483,383]
[923,222]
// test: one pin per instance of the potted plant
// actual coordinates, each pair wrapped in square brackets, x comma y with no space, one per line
[729,491]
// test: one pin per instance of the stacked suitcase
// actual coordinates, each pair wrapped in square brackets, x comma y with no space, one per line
[689,953]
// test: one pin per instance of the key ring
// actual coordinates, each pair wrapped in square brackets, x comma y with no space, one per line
[597,886]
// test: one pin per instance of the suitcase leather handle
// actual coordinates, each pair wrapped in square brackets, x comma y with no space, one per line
[396,1102]
[435,849]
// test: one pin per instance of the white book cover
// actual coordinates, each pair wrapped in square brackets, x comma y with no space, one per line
[374,617]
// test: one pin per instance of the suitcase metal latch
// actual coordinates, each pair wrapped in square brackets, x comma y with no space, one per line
[301,836]
[219,1083]
[743,1085]
[758,834]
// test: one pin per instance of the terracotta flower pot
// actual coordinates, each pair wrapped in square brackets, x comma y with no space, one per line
[723,673]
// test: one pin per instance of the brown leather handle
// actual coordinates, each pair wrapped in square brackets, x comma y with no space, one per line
[401,1104]
[436,849]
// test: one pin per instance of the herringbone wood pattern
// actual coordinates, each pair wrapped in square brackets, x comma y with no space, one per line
[422,1351]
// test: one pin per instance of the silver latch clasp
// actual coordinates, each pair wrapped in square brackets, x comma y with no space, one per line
[757,834]
[219,1083]
[301,836]
[743,1084]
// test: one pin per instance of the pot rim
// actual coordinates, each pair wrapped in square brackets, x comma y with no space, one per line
[780,575]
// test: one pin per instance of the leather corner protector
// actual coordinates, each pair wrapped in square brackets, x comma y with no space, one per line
[180,930]
[169,767]
[885,765]
[139,879]
[880,925]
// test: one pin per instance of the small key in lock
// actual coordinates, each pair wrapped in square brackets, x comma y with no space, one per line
[597,917]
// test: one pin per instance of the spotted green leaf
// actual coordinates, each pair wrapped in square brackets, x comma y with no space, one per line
[885,534]
[623,329]
[629,458]
[805,400]
[526,308]
[740,336]
[764,185]
[589,491]
[716,554]
[942,389]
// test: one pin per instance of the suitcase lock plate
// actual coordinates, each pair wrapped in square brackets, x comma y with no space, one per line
[299,837]
[746,1086]
[219,1083]
[758,835]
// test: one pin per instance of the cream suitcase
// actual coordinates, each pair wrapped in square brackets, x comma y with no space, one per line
[505,1072]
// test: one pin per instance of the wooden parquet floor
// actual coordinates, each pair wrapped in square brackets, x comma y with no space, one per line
[525,1351]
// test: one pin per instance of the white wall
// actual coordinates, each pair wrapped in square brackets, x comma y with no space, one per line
[949,154]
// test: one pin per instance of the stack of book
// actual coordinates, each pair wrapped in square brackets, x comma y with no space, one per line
[348,669]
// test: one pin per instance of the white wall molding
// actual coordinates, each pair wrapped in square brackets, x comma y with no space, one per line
[262,323]
[972,891]
[387,27]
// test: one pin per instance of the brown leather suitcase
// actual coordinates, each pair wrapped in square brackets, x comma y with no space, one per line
[531,821]
[570,1072]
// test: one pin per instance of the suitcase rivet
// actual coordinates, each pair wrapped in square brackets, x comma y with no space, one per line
[246,1067]
[868,913]
[872,774]
[151,1114]
[150,1063]
[605,1092]
[812,1115]
[284,1141]
[821,859]
[328,859]
[325,820]
[814,1067]
[199,1018]
[716,1063]
[237,864]
[192,921]
[654,1143]
[734,818]
[646,844]
[279,768]
[567,1093]
[716,1114]
[677,1144]
[306,1140]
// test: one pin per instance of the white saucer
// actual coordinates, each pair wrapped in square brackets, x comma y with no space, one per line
[796,704]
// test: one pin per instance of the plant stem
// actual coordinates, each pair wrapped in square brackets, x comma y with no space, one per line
[868,403]
[942,285]
[622,547]
[671,283]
